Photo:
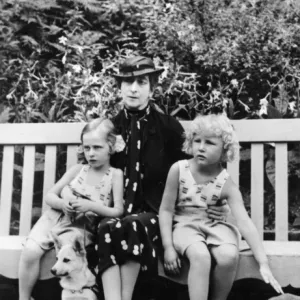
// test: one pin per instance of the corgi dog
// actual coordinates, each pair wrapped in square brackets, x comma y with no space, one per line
[71,266]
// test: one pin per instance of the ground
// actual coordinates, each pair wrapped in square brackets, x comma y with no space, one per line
[157,289]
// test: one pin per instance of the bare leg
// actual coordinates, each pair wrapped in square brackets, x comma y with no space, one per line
[129,275]
[223,275]
[198,277]
[111,280]
[29,269]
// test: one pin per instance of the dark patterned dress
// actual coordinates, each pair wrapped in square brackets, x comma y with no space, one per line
[147,157]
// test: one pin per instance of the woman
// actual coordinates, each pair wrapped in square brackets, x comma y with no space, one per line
[153,142]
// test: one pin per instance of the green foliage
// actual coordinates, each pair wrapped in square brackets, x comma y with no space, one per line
[235,56]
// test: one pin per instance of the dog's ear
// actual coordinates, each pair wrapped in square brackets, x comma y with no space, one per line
[57,241]
[79,244]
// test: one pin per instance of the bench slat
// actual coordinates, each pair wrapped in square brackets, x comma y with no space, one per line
[69,133]
[257,187]
[271,130]
[71,156]
[6,189]
[27,190]
[233,169]
[43,133]
[281,192]
[49,171]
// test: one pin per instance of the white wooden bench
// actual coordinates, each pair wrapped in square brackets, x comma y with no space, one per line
[284,255]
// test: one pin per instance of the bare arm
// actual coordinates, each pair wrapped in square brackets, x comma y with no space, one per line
[166,212]
[97,207]
[244,223]
[53,197]
[166,209]
[248,230]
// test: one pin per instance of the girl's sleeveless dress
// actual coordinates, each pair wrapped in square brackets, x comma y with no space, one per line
[191,222]
[57,221]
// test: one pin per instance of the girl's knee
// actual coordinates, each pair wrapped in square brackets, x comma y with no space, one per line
[226,255]
[31,252]
[198,255]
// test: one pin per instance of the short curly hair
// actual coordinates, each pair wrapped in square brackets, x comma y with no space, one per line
[102,124]
[215,124]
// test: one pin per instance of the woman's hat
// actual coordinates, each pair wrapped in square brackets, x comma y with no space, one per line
[137,66]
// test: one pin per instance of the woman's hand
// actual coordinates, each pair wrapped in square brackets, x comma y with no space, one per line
[219,212]
[172,261]
[269,278]
[81,205]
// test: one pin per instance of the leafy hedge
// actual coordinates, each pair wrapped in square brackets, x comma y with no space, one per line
[237,56]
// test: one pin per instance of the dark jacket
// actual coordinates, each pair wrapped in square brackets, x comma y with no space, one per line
[162,143]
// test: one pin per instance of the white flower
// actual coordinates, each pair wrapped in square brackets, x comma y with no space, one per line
[79,48]
[225,102]
[216,94]
[119,144]
[10,95]
[195,48]
[292,105]
[263,102]
[76,68]
[234,83]
[263,107]
[180,33]
[209,84]
[69,73]
[64,58]
[62,40]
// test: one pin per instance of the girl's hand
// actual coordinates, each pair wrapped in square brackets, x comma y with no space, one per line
[172,261]
[219,212]
[81,205]
[67,208]
[269,278]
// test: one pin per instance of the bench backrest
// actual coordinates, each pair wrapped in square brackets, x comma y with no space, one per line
[256,132]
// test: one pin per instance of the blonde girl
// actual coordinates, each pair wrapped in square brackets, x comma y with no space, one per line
[84,195]
[192,186]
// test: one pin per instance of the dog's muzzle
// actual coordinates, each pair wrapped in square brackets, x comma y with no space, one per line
[54,272]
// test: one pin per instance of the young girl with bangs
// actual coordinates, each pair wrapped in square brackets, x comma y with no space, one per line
[192,187]
[84,195]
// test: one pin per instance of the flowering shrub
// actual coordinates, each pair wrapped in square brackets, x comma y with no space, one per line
[234,56]
[238,57]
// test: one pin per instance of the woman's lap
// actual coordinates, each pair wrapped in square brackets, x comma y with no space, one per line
[134,237]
